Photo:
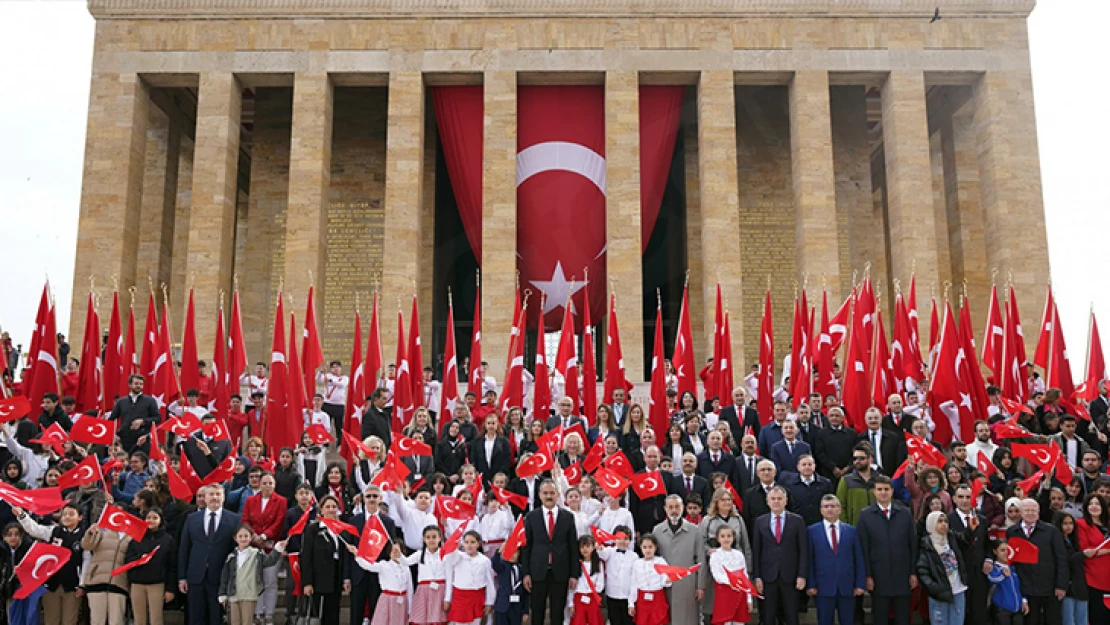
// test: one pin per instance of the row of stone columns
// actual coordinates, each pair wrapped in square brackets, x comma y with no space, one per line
[117,208]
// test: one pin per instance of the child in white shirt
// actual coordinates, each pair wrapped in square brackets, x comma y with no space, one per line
[431,580]
[584,600]
[648,604]
[730,605]
[471,588]
[618,575]
[396,584]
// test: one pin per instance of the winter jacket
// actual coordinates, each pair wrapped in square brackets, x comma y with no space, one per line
[229,573]
[931,572]
[162,568]
[107,549]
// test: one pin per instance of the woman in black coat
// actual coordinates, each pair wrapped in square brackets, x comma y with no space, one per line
[940,564]
[286,477]
[322,557]
[152,583]
[335,484]
[451,452]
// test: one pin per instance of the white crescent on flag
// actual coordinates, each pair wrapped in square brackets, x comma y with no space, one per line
[561,156]
[42,561]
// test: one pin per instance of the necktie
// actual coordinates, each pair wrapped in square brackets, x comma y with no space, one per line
[751,468]
[1028,531]
[211,524]
[550,524]
[835,542]
[689,484]
[778,528]
[887,512]
[790,448]
[716,457]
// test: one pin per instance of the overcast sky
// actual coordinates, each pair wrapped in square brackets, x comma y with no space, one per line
[45,58]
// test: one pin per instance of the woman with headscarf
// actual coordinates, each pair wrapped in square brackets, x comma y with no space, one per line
[1012,512]
[941,572]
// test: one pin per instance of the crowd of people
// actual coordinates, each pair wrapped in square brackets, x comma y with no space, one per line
[726,517]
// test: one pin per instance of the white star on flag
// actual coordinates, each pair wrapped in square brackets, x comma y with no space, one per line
[558,289]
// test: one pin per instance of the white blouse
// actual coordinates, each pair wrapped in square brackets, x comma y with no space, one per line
[644,577]
[432,569]
[393,576]
[470,573]
[618,570]
[732,560]
[583,586]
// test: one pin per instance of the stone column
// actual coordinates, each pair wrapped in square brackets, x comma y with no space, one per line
[720,203]
[965,210]
[309,179]
[111,190]
[156,227]
[623,213]
[1010,187]
[862,228]
[179,266]
[404,171]
[215,192]
[910,210]
[811,158]
[498,260]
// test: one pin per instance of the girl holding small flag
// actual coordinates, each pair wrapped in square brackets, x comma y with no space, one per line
[647,604]
[152,582]
[431,580]
[471,589]
[730,605]
[395,580]
[584,602]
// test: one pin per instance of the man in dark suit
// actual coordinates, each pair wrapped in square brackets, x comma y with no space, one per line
[365,588]
[837,575]
[806,490]
[973,527]
[135,413]
[1101,404]
[207,538]
[620,406]
[889,445]
[780,555]
[688,482]
[895,419]
[745,476]
[833,448]
[549,557]
[817,416]
[739,414]
[786,452]
[647,513]
[204,452]
[376,419]
[565,417]
[755,498]
[715,459]
[530,488]
[1045,583]
[889,538]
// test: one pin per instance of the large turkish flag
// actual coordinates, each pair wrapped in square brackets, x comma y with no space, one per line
[561,197]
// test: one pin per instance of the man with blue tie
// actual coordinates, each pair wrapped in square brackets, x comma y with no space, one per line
[206,540]
[779,560]
[837,574]
[786,452]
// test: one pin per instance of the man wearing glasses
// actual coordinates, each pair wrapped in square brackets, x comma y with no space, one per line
[854,490]
[365,588]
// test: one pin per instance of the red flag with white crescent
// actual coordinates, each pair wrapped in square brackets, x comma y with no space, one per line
[236,346]
[312,356]
[615,376]
[449,392]
[766,376]
[136,563]
[85,472]
[647,485]
[53,436]
[561,197]
[89,429]
[515,540]
[190,372]
[42,561]
[374,539]
[117,520]
[415,361]
[14,408]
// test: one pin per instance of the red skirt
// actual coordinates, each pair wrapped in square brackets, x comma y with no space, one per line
[587,610]
[653,611]
[467,605]
[729,605]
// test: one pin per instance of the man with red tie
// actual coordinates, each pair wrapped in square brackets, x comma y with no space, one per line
[549,558]
[780,553]
[836,571]
[888,535]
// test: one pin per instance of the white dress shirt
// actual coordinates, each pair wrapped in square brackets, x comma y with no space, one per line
[410,518]
[618,570]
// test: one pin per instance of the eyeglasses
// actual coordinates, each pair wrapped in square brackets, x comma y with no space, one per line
[371,496]
[859,458]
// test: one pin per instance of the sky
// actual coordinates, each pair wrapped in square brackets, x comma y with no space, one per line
[46,56]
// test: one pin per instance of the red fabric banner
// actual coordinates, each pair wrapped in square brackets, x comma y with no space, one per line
[560,179]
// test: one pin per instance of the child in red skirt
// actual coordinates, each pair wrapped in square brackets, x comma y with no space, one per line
[584,602]
[729,604]
[471,588]
[647,603]
[395,579]
[431,580]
